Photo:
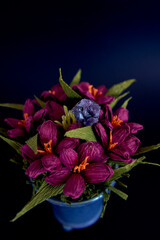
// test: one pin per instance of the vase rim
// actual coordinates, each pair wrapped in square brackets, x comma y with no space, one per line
[60,202]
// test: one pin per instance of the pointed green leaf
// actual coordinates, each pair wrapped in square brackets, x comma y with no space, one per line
[106,197]
[117,89]
[41,103]
[121,184]
[147,149]
[125,104]
[45,191]
[150,163]
[85,133]
[122,170]
[3,131]
[32,143]
[112,104]
[67,89]
[13,144]
[118,192]
[12,105]
[76,78]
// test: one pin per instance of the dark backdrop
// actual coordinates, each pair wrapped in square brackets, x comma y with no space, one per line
[110,41]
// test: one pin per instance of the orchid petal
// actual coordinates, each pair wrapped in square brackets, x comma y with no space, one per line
[97,172]
[47,132]
[35,169]
[101,132]
[39,115]
[29,123]
[131,144]
[12,122]
[16,132]
[28,107]
[74,186]
[67,143]
[118,154]
[50,162]
[120,134]
[102,89]
[122,113]
[28,153]
[135,127]
[105,99]
[92,150]
[58,177]
[55,110]
[69,158]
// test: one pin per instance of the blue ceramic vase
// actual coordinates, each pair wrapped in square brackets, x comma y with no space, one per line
[78,215]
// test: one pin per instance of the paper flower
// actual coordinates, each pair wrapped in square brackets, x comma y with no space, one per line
[72,144]
[78,170]
[86,112]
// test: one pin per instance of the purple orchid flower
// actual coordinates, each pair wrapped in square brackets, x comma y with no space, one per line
[78,169]
[123,151]
[45,159]
[122,115]
[54,110]
[94,94]
[30,121]
[68,142]
[56,94]
[120,144]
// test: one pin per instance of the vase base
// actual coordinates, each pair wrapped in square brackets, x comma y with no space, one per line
[67,228]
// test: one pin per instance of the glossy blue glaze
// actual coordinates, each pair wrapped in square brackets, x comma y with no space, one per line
[77,215]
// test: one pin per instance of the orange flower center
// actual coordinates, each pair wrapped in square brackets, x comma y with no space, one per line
[82,166]
[116,122]
[47,148]
[52,92]
[94,91]
[23,122]
[111,145]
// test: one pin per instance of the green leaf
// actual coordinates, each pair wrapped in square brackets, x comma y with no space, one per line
[76,78]
[150,163]
[85,133]
[122,170]
[147,149]
[12,105]
[118,192]
[106,197]
[67,89]
[117,89]
[3,131]
[45,191]
[112,104]
[32,143]
[125,104]
[121,184]
[13,144]
[41,103]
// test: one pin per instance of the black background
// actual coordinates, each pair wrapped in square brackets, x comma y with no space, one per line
[110,41]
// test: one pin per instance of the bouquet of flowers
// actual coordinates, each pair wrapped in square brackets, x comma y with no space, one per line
[72,144]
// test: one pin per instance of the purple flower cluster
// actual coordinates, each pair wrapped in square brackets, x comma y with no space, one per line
[72,161]
[86,112]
